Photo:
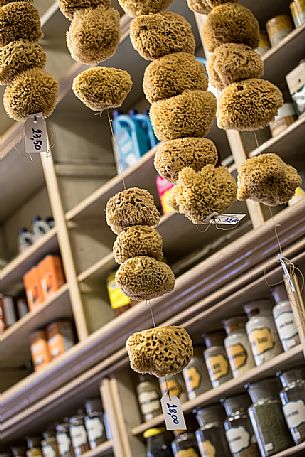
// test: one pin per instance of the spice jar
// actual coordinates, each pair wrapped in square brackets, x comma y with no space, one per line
[238,346]
[60,337]
[210,436]
[158,442]
[174,385]
[49,444]
[216,358]
[264,43]
[78,435]
[238,427]
[63,440]
[39,350]
[148,391]
[185,445]
[262,333]
[94,421]
[297,8]
[278,28]
[286,116]
[284,318]
[196,375]
[34,449]
[293,401]
[267,417]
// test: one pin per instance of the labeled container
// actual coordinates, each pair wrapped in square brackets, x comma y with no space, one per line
[40,350]
[278,28]
[33,289]
[25,240]
[284,318]
[158,442]
[293,401]
[51,275]
[296,85]
[148,392]
[78,435]
[267,417]
[164,188]
[239,431]
[49,444]
[264,43]
[174,385]
[285,117]
[211,438]
[262,332]
[60,337]
[39,228]
[119,302]
[238,346]
[216,358]
[196,375]
[94,422]
[185,445]
[63,440]
[34,447]
[9,311]
[22,307]
[297,8]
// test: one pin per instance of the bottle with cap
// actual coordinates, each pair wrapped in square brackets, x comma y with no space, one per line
[34,446]
[78,434]
[284,318]
[210,436]
[185,444]
[63,439]
[238,346]
[50,221]
[158,442]
[148,392]
[25,239]
[262,332]
[49,444]
[196,375]
[94,421]
[216,358]
[39,227]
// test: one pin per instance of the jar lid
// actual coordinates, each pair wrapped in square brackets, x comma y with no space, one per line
[210,415]
[237,403]
[153,432]
[279,293]
[62,427]
[93,405]
[260,307]
[76,420]
[50,433]
[267,389]
[235,323]
[288,377]
[215,338]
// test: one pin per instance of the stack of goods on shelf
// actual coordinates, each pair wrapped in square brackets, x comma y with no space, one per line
[119,301]
[30,89]
[39,228]
[12,309]
[278,28]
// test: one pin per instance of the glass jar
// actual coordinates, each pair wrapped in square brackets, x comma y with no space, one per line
[261,330]
[196,375]
[185,445]
[211,437]
[284,318]
[158,442]
[238,346]
[216,358]
[267,417]
[34,446]
[174,384]
[94,422]
[264,43]
[297,8]
[278,28]
[238,427]
[63,440]
[78,435]
[293,401]
[49,444]
[148,392]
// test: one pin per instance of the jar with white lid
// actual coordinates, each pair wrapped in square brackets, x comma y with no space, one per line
[284,318]
[262,332]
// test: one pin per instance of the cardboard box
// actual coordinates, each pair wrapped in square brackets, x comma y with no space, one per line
[51,275]
[33,290]
[60,337]
[39,350]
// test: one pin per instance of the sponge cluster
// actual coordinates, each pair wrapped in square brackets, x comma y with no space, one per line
[30,89]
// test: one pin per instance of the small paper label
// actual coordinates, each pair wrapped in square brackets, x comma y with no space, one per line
[283,262]
[239,439]
[227,219]
[294,412]
[173,414]
[207,449]
[35,135]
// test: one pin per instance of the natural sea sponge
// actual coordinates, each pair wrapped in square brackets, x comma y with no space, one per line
[232,63]
[68,7]
[172,156]
[34,91]
[94,35]
[137,7]
[144,278]
[19,21]
[248,105]
[19,56]
[138,241]
[6,2]
[102,88]
[205,6]
[230,23]
[201,194]
[188,114]
[160,351]
[267,179]
[173,74]
[156,35]
[131,207]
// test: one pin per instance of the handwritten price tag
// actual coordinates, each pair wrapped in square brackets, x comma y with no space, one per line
[173,414]
[227,219]
[35,134]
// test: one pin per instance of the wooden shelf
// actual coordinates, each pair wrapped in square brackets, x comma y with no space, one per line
[102,449]
[292,451]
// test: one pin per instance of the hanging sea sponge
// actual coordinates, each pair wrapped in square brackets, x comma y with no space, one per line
[232,63]
[137,7]
[267,179]
[138,241]
[172,156]
[94,35]
[19,56]
[205,6]
[144,278]
[160,351]
[230,23]
[34,91]
[130,207]
[248,105]
[188,114]
[6,2]
[68,7]
[157,35]
[19,21]
[173,74]
[102,88]
[200,194]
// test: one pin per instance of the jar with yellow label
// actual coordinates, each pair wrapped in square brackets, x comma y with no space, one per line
[34,446]
[297,8]
[216,358]
[185,445]
[196,375]
[262,332]
[264,43]
[284,318]
[49,444]
[278,28]
[211,436]
[238,346]
[158,442]
[174,385]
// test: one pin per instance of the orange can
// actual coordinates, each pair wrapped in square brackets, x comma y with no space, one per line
[32,285]
[60,337]
[51,275]
[39,350]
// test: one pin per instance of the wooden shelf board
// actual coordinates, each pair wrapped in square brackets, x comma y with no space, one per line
[292,451]
[103,266]
[102,449]
[284,360]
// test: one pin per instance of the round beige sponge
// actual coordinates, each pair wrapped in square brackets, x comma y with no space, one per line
[156,35]
[94,35]
[138,241]
[69,7]
[137,7]
[6,2]
[186,115]
[205,6]
[230,23]
[19,21]
[248,105]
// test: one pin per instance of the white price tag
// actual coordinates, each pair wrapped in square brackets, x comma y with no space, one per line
[36,135]
[283,262]
[227,219]
[173,414]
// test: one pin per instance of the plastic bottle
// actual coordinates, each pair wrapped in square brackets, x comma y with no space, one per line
[145,123]
[39,227]
[25,239]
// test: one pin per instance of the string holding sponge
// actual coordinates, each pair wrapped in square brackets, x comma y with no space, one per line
[137,7]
